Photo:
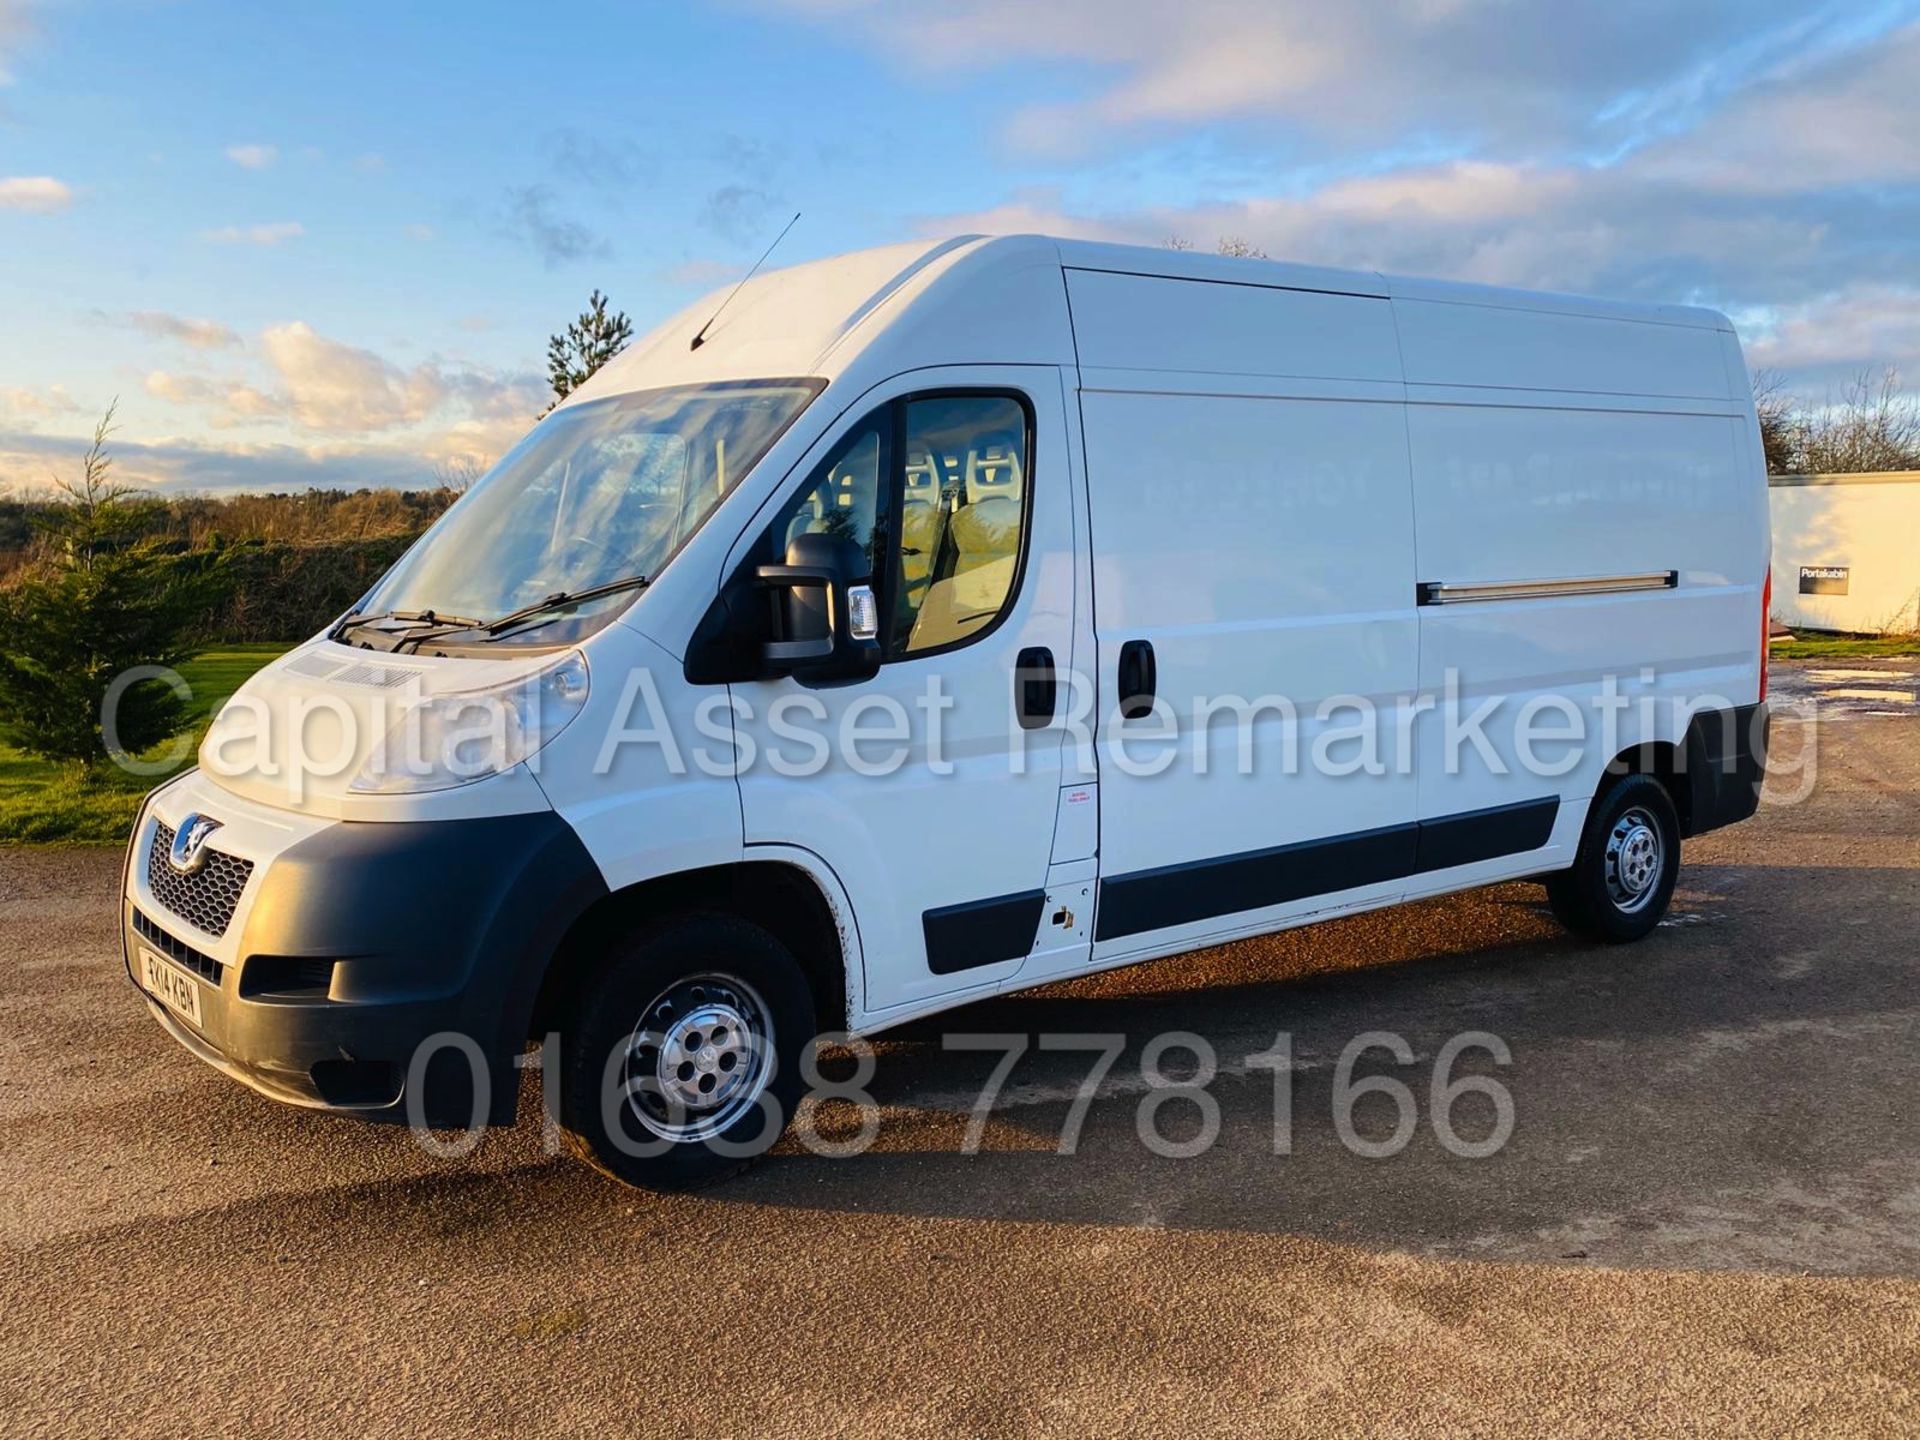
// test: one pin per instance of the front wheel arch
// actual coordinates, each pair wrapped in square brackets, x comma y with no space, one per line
[781,898]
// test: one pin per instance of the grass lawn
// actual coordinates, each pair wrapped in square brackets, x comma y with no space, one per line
[46,803]
[1833,647]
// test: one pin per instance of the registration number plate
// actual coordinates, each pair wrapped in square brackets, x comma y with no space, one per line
[170,985]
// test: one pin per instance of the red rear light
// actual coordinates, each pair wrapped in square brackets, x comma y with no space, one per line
[1766,628]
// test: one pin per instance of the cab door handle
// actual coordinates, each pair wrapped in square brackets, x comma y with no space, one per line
[1138,678]
[1035,687]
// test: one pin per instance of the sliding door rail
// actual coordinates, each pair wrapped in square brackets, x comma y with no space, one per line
[1443,592]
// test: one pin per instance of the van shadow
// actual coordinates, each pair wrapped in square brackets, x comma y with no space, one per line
[1696,1099]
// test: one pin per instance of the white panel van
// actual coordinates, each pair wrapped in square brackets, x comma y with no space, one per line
[946,619]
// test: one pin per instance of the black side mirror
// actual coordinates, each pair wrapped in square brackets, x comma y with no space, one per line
[826,618]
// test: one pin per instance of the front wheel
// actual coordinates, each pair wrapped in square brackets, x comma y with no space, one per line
[1623,874]
[680,1061]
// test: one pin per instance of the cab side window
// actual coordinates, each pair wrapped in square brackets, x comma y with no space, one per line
[962,517]
[933,489]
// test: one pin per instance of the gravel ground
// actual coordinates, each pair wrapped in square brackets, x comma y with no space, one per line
[1707,1217]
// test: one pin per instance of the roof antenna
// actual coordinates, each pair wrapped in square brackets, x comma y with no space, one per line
[701,338]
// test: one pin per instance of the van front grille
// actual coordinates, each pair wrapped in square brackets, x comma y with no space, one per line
[204,898]
[178,951]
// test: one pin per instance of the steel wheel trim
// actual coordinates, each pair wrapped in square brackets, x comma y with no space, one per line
[1635,856]
[699,1058]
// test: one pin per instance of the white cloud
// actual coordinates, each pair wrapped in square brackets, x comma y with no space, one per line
[26,405]
[344,416]
[1513,80]
[1850,121]
[334,386]
[1461,192]
[421,233]
[1538,227]
[36,194]
[1758,160]
[477,443]
[1862,328]
[233,401]
[180,389]
[15,28]
[314,384]
[246,404]
[253,157]
[271,234]
[200,334]
[704,273]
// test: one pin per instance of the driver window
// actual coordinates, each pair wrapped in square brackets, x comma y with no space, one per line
[959,490]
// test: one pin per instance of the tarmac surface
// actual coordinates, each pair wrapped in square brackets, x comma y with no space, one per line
[1706,1218]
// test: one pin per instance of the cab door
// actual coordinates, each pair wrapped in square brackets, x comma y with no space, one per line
[930,787]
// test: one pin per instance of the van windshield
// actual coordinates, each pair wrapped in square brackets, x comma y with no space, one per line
[597,492]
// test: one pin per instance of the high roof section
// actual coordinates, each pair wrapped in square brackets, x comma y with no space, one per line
[1195,265]
[974,299]
[969,299]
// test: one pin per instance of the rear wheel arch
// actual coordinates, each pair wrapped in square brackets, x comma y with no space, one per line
[1666,762]
[780,897]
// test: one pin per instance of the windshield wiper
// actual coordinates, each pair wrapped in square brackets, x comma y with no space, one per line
[432,617]
[410,620]
[562,599]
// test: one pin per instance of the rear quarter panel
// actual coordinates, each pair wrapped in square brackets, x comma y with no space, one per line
[1561,445]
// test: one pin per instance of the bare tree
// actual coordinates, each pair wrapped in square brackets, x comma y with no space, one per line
[99,515]
[1781,436]
[457,473]
[1873,425]
[93,489]
[1234,245]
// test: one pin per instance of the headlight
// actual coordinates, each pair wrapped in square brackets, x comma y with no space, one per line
[449,740]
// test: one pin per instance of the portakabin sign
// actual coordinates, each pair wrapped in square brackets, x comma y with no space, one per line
[1824,579]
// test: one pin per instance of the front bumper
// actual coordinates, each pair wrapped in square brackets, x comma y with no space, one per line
[356,942]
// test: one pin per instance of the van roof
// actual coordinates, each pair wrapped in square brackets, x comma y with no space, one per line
[796,321]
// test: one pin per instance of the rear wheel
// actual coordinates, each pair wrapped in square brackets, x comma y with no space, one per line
[680,1061]
[1623,874]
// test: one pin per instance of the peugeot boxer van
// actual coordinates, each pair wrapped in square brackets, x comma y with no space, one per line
[950,618]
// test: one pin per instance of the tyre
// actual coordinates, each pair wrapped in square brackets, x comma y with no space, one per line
[1629,857]
[680,1056]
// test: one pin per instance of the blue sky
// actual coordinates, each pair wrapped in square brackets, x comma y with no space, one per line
[326,243]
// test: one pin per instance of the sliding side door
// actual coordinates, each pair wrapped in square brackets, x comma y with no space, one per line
[1252,529]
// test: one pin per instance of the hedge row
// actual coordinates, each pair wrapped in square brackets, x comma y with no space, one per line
[288,592]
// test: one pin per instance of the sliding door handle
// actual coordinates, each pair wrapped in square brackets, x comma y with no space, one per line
[1138,678]
[1035,688]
